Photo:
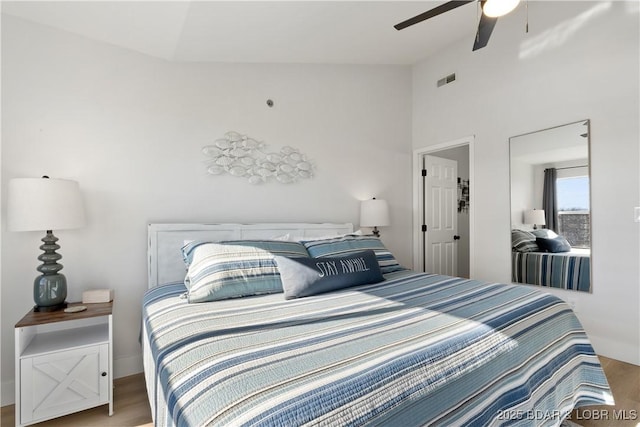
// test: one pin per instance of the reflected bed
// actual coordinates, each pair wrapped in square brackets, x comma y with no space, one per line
[543,258]
[566,270]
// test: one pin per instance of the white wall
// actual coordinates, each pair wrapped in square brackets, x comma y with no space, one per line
[130,129]
[584,64]
[522,189]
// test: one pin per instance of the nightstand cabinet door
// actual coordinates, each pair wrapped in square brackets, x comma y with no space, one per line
[63,382]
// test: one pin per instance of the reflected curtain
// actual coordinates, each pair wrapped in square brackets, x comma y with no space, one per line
[549,199]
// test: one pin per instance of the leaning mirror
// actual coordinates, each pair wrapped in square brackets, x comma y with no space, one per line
[550,207]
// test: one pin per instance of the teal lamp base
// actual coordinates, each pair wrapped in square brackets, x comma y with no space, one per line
[49,292]
[50,289]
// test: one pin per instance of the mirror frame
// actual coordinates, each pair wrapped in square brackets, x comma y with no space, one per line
[513,257]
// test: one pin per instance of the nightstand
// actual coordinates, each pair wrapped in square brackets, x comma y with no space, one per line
[64,362]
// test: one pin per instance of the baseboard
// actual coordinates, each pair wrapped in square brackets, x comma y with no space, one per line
[125,366]
[122,367]
[7,392]
[617,350]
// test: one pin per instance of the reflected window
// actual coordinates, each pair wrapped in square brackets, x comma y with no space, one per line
[573,210]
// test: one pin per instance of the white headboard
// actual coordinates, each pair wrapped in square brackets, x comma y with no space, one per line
[164,259]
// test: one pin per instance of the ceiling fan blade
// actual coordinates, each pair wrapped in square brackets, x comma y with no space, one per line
[485,28]
[445,7]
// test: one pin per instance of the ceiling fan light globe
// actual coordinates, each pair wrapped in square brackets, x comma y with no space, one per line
[497,8]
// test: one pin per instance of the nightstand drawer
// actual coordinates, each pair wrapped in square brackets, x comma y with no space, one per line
[63,382]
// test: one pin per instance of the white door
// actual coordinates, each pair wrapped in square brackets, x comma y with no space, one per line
[440,215]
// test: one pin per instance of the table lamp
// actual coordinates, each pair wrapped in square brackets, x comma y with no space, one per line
[43,204]
[535,217]
[374,213]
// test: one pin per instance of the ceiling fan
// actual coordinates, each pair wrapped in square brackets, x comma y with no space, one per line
[491,11]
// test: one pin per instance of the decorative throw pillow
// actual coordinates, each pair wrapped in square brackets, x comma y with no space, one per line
[544,232]
[553,245]
[349,244]
[523,241]
[223,270]
[302,277]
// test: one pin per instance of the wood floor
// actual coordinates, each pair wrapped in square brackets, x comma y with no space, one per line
[131,408]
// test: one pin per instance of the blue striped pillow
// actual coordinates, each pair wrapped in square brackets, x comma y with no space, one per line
[347,245]
[276,247]
[523,241]
[225,270]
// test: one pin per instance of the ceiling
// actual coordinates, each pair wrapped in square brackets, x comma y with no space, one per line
[327,32]
[558,144]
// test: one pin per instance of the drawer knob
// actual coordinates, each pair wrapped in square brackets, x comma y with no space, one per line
[104,374]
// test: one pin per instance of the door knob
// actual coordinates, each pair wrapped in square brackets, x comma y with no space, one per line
[456,237]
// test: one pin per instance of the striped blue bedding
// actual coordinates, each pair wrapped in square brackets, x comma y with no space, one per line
[415,349]
[553,270]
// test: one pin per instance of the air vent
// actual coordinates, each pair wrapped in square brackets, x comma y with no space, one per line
[446,80]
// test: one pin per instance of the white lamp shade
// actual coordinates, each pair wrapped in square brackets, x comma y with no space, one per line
[36,204]
[534,216]
[497,8]
[374,213]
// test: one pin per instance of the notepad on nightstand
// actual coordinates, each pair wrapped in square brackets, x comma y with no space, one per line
[97,295]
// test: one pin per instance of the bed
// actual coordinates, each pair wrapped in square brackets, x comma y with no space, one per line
[412,349]
[568,269]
